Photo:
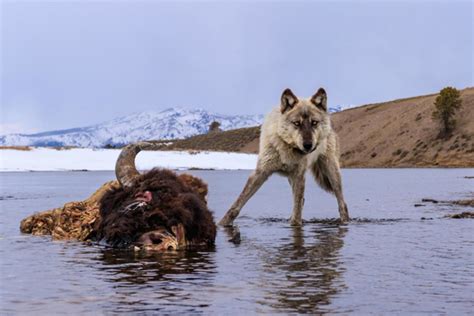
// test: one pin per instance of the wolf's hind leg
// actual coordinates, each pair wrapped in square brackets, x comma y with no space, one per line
[254,182]
[327,174]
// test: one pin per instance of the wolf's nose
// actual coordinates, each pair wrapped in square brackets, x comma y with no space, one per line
[308,146]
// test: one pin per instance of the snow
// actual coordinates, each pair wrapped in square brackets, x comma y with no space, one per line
[172,123]
[45,159]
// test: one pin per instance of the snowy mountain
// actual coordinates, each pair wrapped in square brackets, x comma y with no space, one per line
[339,108]
[172,123]
[335,109]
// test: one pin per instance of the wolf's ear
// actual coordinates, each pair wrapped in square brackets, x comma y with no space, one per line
[320,99]
[288,100]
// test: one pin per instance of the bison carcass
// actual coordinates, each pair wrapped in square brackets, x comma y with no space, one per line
[157,210]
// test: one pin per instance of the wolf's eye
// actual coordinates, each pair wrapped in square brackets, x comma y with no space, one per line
[314,123]
[297,123]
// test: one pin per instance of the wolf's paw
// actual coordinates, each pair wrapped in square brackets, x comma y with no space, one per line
[344,213]
[226,221]
[344,219]
[229,217]
[296,222]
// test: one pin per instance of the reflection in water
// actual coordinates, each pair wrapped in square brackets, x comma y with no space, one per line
[156,282]
[233,234]
[139,268]
[304,273]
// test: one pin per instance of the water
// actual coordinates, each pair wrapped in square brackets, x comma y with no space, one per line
[387,261]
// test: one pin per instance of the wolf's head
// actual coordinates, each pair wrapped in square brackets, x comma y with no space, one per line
[304,123]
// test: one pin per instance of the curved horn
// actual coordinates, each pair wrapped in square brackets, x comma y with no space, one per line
[125,169]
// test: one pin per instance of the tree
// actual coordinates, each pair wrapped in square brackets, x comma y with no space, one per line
[215,127]
[446,105]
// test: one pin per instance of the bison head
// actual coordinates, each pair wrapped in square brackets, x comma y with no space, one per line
[157,210]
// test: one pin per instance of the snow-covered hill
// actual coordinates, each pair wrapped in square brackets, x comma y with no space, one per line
[168,124]
[172,123]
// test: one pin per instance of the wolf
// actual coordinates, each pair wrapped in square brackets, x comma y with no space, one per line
[296,136]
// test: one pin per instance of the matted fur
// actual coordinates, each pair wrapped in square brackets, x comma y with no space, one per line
[176,199]
[72,221]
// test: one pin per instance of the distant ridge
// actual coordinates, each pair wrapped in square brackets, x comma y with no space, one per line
[172,123]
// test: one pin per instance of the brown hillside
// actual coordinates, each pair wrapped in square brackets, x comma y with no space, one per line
[399,133]
[237,140]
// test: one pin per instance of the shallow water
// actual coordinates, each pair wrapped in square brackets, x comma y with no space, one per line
[386,261]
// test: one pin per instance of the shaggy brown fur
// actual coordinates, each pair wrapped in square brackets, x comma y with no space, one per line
[176,199]
[323,174]
[112,214]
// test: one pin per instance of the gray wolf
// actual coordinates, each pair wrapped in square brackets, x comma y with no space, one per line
[296,136]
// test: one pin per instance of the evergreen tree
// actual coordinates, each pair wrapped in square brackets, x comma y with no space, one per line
[446,105]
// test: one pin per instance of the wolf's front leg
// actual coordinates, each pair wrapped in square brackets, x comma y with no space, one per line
[343,211]
[297,183]
[254,182]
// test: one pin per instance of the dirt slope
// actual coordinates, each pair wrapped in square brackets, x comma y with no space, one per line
[401,133]
[237,140]
[398,133]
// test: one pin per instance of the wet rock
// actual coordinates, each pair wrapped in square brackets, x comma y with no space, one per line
[418,205]
[468,202]
[430,201]
[464,202]
[461,215]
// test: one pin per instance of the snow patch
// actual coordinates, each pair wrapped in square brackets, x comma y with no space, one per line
[44,159]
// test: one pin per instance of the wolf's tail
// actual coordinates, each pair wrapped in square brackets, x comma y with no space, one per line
[325,174]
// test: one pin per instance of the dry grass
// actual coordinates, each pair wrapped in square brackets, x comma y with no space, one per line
[28,148]
[234,140]
[403,134]
[64,147]
[23,148]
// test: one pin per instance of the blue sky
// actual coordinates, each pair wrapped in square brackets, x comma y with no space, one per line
[75,63]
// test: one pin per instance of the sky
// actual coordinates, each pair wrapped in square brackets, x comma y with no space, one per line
[76,63]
